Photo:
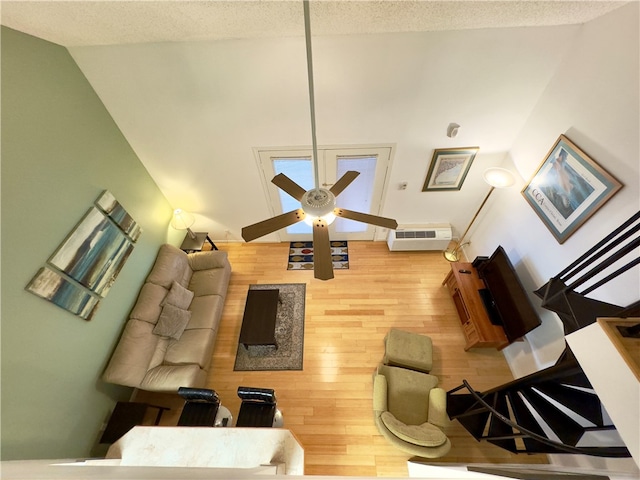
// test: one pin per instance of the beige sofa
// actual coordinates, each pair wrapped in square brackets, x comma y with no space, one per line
[168,339]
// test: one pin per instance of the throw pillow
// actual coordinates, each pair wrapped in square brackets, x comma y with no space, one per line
[178,296]
[172,322]
[426,435]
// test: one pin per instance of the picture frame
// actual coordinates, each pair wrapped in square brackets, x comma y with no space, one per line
[116,212]
[60,291]
[568,188]
[449,168]
[94,253]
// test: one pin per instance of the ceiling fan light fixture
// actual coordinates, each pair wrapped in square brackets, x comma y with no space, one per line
[318,203]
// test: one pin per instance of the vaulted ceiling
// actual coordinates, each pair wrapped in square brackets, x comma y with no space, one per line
[197,86]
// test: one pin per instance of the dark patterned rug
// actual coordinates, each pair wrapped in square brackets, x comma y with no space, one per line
[289,333]
[301,255]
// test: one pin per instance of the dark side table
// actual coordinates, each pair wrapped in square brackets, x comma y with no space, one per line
[127,415]
[191,245]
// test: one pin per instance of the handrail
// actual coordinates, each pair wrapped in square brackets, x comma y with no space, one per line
[535,436]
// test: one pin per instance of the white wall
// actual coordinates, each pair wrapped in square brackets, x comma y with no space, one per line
[592,99]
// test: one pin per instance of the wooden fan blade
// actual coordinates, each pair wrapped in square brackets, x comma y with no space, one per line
[344,181]
[322,263]
[366,218]
[265,227]
[289,186]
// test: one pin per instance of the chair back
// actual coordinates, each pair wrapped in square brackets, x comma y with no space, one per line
[200,408]
[258,407]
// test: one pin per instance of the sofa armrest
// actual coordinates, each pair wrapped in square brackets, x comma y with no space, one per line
[208,260]
[169,378]
[438,408]
[379,393]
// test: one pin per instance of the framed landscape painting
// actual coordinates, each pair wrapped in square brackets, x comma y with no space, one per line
[568,188]
[448,169]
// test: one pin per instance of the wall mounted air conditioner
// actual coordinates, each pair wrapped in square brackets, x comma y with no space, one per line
[424,237]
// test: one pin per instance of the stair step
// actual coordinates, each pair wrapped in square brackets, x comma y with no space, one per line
[459,403]
[523,416]
[475,424]
[585,404]
[507,444]
[497,428]
[567,429]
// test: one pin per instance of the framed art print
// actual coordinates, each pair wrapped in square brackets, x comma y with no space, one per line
[52,286]
[112,208]
[94,253]
[448,169]
[568,188]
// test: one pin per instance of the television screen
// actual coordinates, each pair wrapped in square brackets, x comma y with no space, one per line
[510,299]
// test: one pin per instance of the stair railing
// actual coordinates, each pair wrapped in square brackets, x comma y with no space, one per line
[524,432]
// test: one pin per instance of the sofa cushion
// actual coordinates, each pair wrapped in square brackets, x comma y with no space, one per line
[132,356]
[169,378]
[208,260]
[178,296]
[210,282]
[172,322]
[147,307]
[206,312]
[195,346]
[171,264]
[426,435]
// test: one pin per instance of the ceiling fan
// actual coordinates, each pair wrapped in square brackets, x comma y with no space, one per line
[317,205]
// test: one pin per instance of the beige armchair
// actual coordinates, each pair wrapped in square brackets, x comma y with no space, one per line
[411,411]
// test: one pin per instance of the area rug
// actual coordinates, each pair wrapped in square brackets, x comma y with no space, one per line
[289,333]
[301,255]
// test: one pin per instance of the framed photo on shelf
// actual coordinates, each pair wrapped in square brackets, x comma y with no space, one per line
[568,188]
[448,169]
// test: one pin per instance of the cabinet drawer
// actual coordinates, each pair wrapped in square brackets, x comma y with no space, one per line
[452,284]
[470,332]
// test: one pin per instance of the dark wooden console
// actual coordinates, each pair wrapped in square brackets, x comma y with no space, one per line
[476,325]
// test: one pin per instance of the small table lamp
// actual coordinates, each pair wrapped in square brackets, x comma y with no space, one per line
[182,220]
[497,178]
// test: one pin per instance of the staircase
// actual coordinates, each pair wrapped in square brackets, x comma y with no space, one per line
[549,411]
[617,252]
[556,409]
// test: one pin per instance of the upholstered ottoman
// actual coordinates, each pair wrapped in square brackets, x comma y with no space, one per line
[408,350]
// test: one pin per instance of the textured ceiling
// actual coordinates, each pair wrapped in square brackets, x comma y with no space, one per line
[82,23]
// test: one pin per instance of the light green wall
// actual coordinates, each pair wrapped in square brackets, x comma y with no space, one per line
[60,150]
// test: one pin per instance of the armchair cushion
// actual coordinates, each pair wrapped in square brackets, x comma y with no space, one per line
[438,408]
[408,350]
[426,435]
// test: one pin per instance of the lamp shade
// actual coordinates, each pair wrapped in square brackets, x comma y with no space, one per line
[182,220]
[499,177]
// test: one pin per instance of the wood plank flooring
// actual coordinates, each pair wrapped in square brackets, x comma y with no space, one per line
[328,405]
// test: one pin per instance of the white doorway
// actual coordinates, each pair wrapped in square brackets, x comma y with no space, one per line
[364,194]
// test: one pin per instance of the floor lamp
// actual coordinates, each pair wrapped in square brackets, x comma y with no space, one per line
[497,178]
[183,220]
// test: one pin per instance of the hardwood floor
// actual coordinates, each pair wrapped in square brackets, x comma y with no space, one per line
[328,405]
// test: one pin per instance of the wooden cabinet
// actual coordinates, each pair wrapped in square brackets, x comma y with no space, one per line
[476,326]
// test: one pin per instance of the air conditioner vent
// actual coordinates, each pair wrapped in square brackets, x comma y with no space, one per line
[428,237]
[416,234]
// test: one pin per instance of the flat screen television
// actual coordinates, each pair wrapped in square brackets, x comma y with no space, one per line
[507,297]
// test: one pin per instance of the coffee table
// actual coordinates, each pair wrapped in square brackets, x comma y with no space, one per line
[259,321]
